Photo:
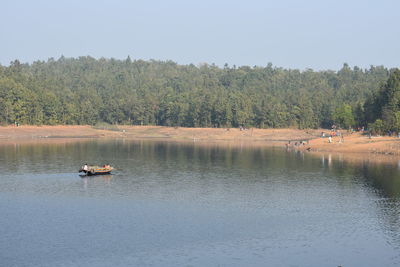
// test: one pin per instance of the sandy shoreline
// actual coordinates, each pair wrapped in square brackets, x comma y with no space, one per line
[354,145]
[154,132]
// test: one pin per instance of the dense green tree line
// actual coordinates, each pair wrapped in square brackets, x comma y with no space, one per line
[382,108]
[85,90]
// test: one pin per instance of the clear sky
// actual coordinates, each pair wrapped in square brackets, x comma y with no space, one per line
[317,34]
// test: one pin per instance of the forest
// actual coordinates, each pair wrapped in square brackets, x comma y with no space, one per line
[85,90]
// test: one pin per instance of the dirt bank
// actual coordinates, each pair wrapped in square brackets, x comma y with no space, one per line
[357,143]
[154,132]
[351,143]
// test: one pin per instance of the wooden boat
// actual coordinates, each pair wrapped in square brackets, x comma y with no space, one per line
[96,170]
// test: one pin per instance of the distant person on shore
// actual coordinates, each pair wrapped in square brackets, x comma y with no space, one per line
[330,139]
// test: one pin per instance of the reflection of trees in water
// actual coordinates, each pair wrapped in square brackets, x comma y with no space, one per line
[202,160]
[257,163]
[195,157]
[382,180]
[385,179]
[389,215]
[34,158]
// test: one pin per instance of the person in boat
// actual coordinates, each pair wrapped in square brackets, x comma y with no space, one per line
[85,167]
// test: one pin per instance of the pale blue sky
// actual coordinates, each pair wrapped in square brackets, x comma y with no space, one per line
[317,34]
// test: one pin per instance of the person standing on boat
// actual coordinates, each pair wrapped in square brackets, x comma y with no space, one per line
[85,167]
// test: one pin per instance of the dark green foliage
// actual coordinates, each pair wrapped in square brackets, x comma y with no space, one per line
[376,127]
[90,91]
[344,117]
[382,109]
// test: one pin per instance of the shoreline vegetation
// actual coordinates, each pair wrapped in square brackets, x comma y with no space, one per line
[354,145]
[187,102]
[88,91]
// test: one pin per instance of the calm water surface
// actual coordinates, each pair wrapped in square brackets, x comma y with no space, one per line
[171,204]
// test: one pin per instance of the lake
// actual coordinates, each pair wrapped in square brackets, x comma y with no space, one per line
[189,204]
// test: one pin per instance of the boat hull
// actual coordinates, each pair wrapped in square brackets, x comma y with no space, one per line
[89,173]
[97,170]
